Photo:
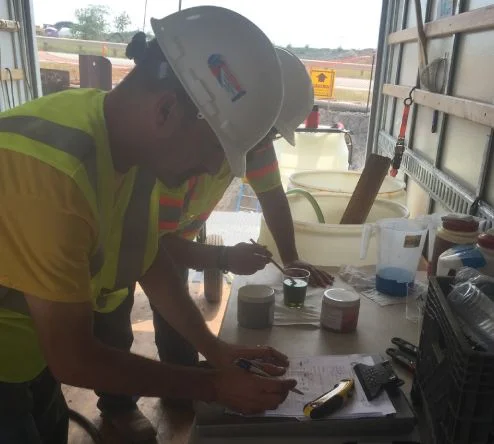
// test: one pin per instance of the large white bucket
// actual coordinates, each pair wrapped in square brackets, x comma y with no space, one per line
[331,244]
[313,151]
[344,182]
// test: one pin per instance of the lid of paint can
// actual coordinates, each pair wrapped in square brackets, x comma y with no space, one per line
[256,294]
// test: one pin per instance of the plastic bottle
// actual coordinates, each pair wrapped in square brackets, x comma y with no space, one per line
[479,256]
[475,308]
[312,120]
[485,244]
[456,229]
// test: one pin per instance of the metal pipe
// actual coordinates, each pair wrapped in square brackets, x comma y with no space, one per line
[312,201]
[370,82]
[145,14]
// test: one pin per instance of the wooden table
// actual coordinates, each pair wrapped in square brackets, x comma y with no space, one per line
[376,326]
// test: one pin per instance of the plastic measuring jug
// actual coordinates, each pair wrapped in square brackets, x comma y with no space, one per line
[399,246]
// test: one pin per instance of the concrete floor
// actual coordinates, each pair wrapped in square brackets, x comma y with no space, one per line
[173,426]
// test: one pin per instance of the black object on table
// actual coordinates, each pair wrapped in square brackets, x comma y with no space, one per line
[376,378]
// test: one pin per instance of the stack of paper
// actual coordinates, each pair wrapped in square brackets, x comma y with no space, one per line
[318,375]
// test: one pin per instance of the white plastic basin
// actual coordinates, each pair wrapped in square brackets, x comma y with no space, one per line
[313,151]
[331,244]
[344,182]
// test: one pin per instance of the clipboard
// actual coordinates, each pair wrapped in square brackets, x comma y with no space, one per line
[212,420]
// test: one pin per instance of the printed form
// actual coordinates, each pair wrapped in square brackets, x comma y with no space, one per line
[318,375]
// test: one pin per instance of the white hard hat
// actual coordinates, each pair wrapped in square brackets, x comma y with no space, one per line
[230,70]
[298,97]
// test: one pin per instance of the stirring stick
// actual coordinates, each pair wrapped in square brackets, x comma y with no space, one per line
[278,266]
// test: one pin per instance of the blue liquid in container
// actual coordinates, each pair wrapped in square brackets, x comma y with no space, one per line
[394,281]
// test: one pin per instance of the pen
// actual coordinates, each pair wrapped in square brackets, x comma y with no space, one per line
[256,370]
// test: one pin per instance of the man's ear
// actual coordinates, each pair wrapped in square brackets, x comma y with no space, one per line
[169,113]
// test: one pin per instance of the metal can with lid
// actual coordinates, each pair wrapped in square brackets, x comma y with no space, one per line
[340,310]
[456,229]
[255,306]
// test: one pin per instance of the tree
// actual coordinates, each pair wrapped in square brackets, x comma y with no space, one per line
[92,22]
[122,22]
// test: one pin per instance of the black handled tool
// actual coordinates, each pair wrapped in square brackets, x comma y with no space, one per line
[403,359]
[406,346]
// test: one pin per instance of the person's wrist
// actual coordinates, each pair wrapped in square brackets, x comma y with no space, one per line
[290,260]
[222,260]
[195,383]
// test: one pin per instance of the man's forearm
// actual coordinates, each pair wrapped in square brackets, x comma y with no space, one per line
[167,293]
[278,218]
[110,370]
[189,253]
[76,357]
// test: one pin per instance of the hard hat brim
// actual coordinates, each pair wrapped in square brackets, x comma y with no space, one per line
[288,135]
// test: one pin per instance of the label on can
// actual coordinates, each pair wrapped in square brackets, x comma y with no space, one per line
[412,241]
[333,318]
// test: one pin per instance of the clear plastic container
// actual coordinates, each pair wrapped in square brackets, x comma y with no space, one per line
[400,244]
[475,308]
[485,244]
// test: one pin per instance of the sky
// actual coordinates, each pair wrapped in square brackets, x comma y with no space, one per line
[317,23]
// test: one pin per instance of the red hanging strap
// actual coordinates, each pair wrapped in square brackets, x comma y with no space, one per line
[400,143]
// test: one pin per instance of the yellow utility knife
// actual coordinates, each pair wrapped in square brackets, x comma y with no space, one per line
[331,401]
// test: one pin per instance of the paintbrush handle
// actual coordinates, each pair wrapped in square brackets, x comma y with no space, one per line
[278,266]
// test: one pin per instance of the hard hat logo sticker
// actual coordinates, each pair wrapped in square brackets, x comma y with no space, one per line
[227,80]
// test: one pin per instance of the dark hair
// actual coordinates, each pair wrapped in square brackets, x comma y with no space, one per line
[152,70]
[136,49]
[150,60]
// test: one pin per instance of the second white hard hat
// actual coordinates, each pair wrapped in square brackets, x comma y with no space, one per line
[230,70]
[298,98]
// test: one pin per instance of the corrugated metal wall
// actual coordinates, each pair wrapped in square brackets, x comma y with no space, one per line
[461,149]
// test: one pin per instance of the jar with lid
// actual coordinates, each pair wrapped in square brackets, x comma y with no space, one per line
[456,229]
[255,306]
[340,310]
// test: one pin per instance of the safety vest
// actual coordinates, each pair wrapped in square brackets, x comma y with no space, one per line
[63,131]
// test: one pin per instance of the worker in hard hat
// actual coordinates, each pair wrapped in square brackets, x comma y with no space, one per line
[184,210]
[79,213]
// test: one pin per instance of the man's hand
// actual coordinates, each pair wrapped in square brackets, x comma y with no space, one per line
[246,258]
[271,360]
[248,393]
[243,391]
[318,278]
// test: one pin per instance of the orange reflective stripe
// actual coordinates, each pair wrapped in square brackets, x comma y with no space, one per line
[168,226]
[260,157]
[170,201]
[263,171]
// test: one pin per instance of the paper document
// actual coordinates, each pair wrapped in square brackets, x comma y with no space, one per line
[318,375]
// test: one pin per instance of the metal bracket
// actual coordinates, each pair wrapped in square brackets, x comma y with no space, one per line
[439,185]
[9,25]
